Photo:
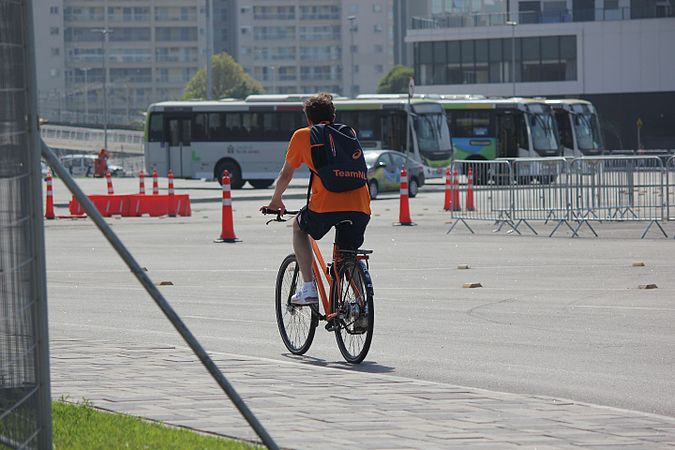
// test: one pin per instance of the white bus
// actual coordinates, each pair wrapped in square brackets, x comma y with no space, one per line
[491,128]
[201,139]
[579,127]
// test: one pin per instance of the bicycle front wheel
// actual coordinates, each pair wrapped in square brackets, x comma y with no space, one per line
[352,301]
[297,324]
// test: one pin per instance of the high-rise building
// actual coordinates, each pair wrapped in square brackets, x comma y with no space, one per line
[152,49]
[616,53]
[298,46]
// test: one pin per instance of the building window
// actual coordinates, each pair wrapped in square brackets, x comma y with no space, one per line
[54,31]
[55,51]
[378,48]
[54,10]
[537,59]
[377,28]
[379,68]
[377,8]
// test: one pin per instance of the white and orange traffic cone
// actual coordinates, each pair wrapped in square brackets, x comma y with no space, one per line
[108,178]
[448,189]
[172,198]
[227,229]
[404,210]
[469,191]
[49,209]
[141,182]
[155,182]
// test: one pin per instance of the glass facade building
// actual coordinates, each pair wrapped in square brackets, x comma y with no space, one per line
[480,61]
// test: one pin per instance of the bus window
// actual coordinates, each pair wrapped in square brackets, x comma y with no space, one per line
[199,127]
[216,126]
[564,128]
[393,126]
[471,124]
[369,127]
[156,131]
[543,131]
[233,128]
[174,132]
[521,132]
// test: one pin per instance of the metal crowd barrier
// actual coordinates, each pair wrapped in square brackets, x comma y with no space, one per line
[570,193]
[670,188]
[492,199]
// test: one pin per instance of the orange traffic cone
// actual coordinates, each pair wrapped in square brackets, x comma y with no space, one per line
[448,183]
[227,230]
[141,182]
[469,191]
[108,178]
[404,210]
[49,209]
[155,183]
[172,198]
[454,204]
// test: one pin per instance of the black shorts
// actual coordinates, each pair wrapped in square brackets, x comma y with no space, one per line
[318,224]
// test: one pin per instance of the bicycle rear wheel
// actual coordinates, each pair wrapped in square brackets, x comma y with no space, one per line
[352,300]
[297,324]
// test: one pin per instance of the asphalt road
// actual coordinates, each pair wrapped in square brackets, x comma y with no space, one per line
[555,316]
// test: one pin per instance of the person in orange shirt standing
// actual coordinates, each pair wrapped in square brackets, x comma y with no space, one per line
[325,208]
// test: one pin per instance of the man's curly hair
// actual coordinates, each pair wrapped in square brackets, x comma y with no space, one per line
[319,108]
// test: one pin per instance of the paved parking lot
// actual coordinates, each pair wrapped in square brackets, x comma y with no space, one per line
[558,349]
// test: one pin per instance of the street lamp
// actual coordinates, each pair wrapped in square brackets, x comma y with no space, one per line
[104,38]
[513,25]
[209,49]
[351,53]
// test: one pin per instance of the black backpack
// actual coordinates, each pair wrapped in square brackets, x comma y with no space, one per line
[338,157]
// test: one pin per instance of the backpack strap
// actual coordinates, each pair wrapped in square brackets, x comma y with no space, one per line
[309,187]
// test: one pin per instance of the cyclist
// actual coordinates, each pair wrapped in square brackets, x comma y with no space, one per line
[324,208]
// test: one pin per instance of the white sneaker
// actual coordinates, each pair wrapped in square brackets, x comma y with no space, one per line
[304,297]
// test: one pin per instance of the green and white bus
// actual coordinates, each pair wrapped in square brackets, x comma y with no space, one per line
[579,127]
[486,129]
[201,139]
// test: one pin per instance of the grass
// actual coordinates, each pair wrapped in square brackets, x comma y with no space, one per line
[82,427]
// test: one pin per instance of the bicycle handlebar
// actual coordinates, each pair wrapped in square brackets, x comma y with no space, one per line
[278,214]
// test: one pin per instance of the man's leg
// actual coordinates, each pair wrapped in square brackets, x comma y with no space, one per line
[303,252]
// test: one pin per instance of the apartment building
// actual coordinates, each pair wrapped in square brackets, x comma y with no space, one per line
[152,49]
[297,46]
[616,53]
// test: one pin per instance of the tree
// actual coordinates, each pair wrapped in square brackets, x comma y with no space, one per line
[396,80]
[228,80]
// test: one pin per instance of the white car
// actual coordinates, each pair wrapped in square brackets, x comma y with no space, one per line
[83,166]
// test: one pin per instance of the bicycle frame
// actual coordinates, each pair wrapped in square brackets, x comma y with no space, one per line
[320,269]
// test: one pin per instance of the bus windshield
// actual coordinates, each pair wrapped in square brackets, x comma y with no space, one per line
[544,134]
[433,137]
[587,132]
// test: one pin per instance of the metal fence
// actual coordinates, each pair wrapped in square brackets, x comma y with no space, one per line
[25,419]
[570,193]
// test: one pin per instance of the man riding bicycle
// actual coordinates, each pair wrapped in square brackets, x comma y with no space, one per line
[325,208]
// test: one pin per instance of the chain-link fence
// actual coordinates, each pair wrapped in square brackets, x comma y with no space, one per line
[25,419]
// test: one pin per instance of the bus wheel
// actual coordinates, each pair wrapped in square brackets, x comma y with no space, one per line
[235,173]
[261,184]
[372,187]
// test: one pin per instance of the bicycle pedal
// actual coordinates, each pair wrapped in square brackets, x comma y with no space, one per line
[330,326]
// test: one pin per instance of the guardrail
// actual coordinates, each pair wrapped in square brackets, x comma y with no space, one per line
[571,193]
[123,141]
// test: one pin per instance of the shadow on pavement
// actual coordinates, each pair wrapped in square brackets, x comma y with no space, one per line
[366,366]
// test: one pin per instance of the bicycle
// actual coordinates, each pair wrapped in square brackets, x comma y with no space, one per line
[347,305]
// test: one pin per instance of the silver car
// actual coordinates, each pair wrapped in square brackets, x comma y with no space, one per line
[384,172]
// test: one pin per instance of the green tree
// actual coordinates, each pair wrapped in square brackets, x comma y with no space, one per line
[228,80]
[396,80]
